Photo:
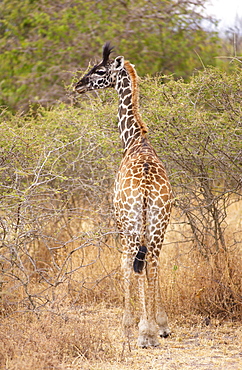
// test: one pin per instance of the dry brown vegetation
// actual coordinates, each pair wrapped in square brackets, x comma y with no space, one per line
[91,338]
[79,324]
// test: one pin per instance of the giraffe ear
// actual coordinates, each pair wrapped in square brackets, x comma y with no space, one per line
[118,63]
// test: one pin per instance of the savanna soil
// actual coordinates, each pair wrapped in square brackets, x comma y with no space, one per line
[91,339]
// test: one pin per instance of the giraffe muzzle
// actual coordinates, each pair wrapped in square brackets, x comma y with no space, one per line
[80,88]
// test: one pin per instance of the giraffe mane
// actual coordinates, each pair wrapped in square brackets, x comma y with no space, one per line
[135,95]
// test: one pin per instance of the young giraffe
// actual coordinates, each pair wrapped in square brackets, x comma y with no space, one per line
[142,197]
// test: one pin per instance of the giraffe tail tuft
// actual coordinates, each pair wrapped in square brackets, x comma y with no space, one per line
[139,260]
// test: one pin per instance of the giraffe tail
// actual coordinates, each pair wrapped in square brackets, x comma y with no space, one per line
[139,260]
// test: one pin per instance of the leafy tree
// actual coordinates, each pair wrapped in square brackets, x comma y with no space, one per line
[43,42]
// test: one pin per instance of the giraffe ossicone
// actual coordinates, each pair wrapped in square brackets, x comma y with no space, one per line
[142,197]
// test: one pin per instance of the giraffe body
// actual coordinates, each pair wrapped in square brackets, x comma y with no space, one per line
[142,198]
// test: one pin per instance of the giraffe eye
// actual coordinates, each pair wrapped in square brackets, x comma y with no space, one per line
[100,72]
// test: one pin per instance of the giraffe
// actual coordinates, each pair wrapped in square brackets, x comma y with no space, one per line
[142,197]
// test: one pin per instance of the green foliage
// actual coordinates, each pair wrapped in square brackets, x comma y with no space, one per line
[72,153]
[43,42]
[50,162]
[200,122]
[197,130]
[45,148]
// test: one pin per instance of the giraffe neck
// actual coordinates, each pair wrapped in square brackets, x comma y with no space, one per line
[131,126]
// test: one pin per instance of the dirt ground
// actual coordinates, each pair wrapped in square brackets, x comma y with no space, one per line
[91,339]
[194,343]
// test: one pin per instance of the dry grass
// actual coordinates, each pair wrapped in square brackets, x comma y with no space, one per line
[76,324]
[209,287]
[53,339]
[91,339]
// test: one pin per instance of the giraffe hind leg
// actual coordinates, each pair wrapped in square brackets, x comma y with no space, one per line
[148,328]
[128,317]
[161,317]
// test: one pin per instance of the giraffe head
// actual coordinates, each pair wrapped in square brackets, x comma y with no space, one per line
[103,74]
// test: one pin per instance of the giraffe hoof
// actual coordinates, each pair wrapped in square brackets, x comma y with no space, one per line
[165,333]
[145,342]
